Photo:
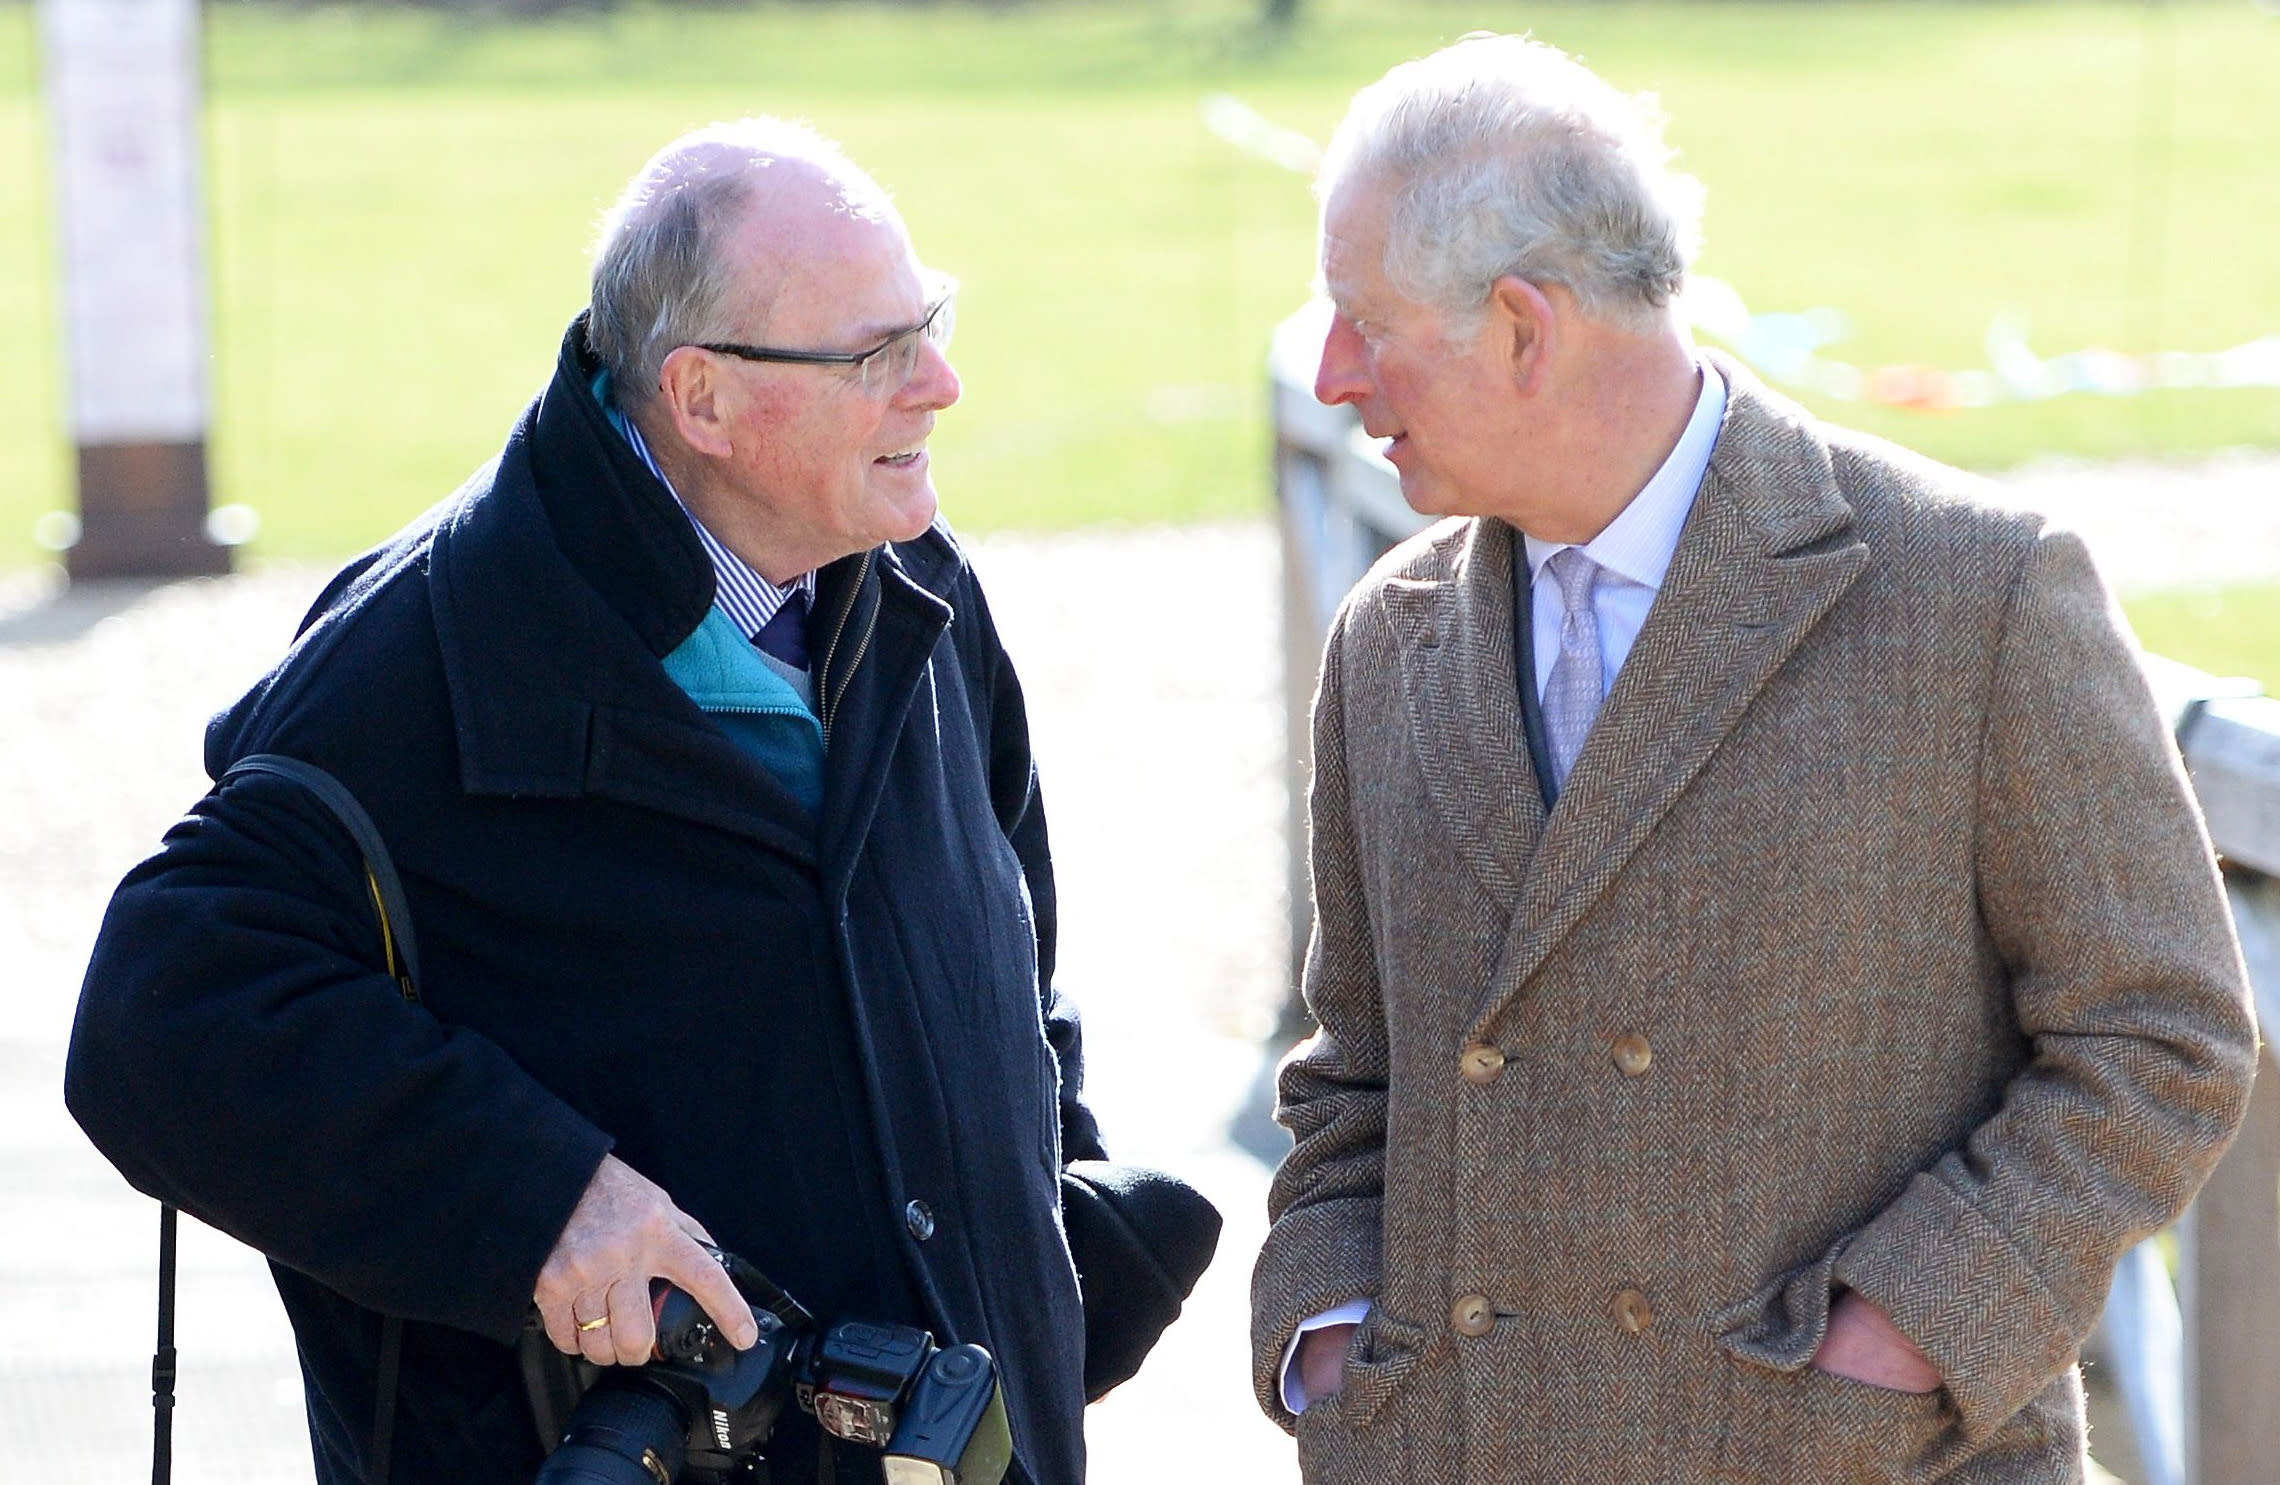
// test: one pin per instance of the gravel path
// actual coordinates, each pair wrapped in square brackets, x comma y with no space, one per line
[2166,524]
[1158,727]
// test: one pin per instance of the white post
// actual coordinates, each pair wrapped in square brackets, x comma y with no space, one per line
[123,105]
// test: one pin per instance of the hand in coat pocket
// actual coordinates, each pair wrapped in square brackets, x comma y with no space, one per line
[1322,1361]
[1863,1344]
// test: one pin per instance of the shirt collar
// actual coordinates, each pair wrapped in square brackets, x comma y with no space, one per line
[739,590]
[1639,543]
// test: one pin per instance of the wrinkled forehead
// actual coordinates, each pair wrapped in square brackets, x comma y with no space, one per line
[1351,253]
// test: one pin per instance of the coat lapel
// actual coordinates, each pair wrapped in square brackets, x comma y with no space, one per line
[1460,679]
[873,677]
[1767,551]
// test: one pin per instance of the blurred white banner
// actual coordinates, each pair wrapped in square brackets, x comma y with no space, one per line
[122,90]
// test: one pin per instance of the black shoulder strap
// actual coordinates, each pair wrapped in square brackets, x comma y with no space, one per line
[402,956]
[162,1364]
[396,942]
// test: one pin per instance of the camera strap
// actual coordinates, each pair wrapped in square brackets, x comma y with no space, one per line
[401,955]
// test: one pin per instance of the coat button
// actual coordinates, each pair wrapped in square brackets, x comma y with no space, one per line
[1472,1315]
[1632,1311]
[919,1218]
[1632,1054]
[1481,1064]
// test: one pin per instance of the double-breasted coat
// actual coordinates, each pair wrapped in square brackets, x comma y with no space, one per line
[1875,942]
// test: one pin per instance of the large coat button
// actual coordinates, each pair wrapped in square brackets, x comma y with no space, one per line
[919,1218]
[1472,1315]
[1632,1054]
[1481,1064]
[1632,1312]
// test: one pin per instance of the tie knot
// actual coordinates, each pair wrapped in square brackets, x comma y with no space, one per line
[1576,574]
[785,635]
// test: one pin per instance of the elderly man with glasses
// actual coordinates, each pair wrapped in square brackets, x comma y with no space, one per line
[709,787]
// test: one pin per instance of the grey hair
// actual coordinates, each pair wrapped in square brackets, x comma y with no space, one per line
[1506,156]
[660,280]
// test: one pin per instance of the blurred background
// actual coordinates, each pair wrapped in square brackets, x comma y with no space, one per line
[2035,240]
[400,197]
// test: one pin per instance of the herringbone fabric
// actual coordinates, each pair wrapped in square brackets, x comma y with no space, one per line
[1875,942]
[1571,697]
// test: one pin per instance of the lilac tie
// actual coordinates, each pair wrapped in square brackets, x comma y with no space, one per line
[785,635]
[1571,697]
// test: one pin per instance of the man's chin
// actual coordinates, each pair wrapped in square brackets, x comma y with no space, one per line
[911,513]
[1431,498]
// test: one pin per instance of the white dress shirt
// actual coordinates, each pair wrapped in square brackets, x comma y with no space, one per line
[1633,554]
[1634,551]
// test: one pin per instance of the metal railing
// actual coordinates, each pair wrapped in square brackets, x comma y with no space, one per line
[2195,1359]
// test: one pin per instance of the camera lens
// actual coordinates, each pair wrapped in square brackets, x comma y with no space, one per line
[624,1432]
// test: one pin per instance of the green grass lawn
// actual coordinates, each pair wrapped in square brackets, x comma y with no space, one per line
[2231,631]
[401,201]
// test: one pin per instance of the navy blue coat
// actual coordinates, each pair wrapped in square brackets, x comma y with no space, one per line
[632,938]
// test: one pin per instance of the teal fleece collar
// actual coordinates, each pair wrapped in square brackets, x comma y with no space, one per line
[721,671]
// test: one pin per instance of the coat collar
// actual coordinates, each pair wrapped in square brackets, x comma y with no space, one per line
[563,573]
[1767,551]
[560,575]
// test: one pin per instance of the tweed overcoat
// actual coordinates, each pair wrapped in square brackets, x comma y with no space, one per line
[1875,942]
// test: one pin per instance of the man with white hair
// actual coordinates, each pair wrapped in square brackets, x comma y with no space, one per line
[1768,962]
[709,787]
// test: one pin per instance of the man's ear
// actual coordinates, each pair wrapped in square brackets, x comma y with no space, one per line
[690,388]
[1526,324]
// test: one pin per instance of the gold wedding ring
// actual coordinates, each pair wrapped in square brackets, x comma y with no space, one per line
[594,1324]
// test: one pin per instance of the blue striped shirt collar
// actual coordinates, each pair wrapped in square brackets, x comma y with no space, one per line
[739,591]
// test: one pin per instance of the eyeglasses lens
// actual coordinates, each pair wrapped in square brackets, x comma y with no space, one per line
[888,369]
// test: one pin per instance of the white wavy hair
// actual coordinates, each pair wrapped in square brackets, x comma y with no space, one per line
[660,280]
[1506,156]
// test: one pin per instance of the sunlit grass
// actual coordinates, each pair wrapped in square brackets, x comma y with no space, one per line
[2228,631]
[401,202]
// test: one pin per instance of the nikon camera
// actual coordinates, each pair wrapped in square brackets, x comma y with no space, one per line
[701,1411]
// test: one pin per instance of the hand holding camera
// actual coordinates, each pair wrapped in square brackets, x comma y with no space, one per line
[594,1293]
[701,1409]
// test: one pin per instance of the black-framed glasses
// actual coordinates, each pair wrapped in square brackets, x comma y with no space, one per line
[885,368]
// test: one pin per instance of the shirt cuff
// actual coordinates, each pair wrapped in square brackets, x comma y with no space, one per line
[1349,1313]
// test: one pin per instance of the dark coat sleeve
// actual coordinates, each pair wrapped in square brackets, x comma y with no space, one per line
[241,1052]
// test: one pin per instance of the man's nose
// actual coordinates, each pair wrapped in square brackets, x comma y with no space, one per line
[933,382]
[1341,376]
